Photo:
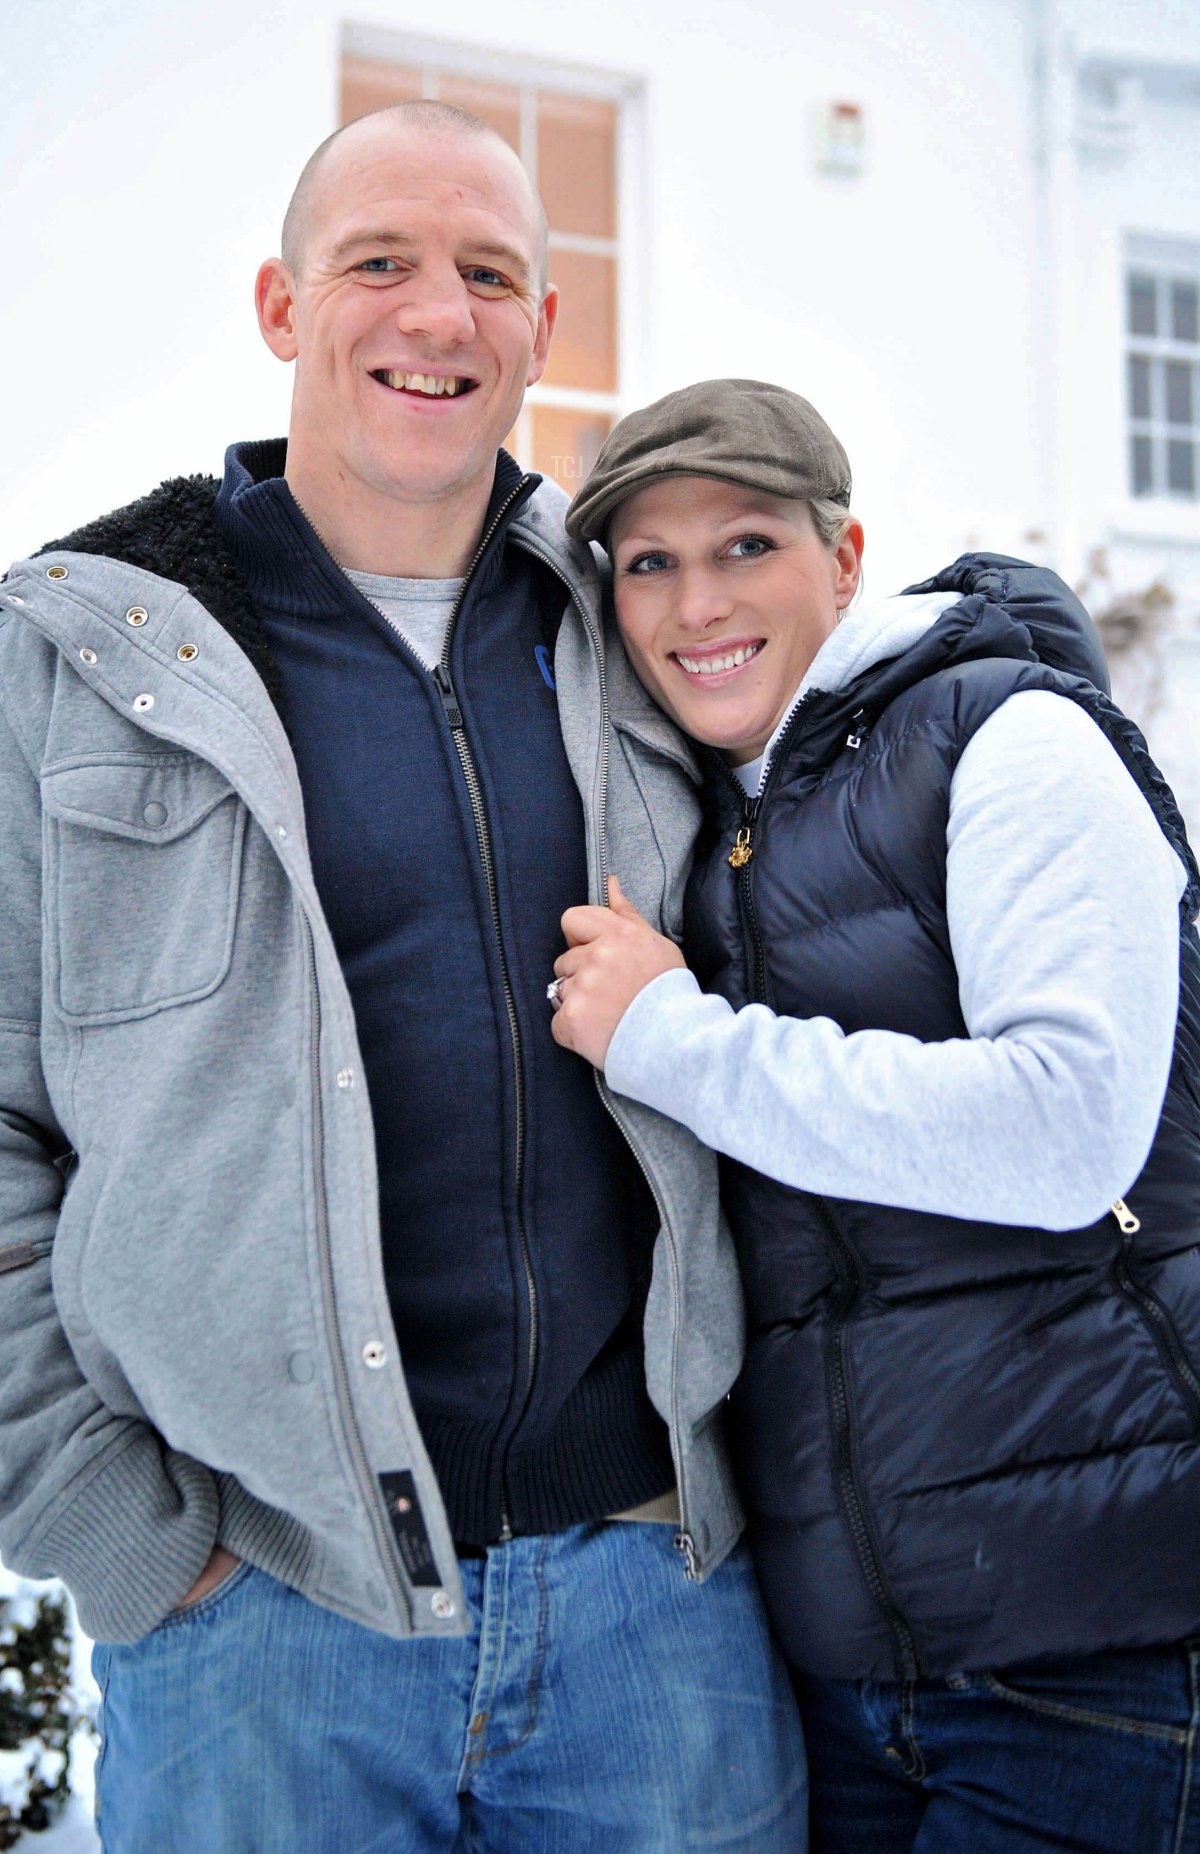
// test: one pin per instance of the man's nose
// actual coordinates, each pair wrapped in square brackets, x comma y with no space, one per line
[436,303]
[704,598]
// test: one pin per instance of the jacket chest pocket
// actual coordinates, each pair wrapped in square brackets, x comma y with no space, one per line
[143,867]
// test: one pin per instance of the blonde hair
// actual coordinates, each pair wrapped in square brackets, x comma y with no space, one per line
[830,519]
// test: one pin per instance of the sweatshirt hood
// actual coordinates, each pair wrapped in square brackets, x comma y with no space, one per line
[984,605]
[874,631]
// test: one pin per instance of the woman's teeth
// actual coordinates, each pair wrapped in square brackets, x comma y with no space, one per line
[708,666]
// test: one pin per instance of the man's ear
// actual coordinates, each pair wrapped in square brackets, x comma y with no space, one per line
[547,317]
[275,302]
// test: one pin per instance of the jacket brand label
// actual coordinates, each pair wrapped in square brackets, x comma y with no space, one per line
[408,1524]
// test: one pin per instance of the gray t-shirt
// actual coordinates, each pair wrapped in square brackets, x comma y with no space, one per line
[419,609]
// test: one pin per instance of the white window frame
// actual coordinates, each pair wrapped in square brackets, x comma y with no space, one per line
[1166,261]
[625,89]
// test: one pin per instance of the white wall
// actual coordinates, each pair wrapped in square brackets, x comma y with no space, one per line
[148,153]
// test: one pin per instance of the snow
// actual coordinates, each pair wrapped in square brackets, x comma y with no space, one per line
[73,1833]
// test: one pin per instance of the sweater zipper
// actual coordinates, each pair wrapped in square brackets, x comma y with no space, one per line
[452,710]
[1154,1314]
[370,1487]
[850,1490]
[685,1540]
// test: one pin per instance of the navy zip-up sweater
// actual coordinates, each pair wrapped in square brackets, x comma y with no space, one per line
[516,1226]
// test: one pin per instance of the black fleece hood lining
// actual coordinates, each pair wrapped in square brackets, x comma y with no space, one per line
[171,532]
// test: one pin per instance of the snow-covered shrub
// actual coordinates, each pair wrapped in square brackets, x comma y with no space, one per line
[38,1713]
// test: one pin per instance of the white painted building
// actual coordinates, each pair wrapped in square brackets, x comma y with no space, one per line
[936,218]
[924,214]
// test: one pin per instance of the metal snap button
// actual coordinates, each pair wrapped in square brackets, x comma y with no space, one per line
[442,1606]
[154,813]
[143,703]
[57,572]
[345,1078]
[88,656]
[188,652]
[373,1354]
[137,614]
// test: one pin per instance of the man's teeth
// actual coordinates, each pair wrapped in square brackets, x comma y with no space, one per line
[708,666]
[437,384]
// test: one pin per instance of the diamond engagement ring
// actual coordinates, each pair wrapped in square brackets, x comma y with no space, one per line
[554,994]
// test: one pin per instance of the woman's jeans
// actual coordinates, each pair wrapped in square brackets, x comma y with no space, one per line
[1097,1755]
[600,1704]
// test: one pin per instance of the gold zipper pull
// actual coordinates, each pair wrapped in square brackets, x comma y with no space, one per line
[1130,1225]
[742,851]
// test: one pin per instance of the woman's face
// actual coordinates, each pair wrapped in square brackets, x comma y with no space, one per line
[724,595]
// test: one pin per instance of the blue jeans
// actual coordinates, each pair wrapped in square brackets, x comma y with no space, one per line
[600,1703]
[1094,1754]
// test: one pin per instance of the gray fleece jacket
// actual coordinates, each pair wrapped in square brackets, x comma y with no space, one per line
[193,1321]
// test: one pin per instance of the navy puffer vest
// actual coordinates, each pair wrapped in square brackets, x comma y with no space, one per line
[962,1445]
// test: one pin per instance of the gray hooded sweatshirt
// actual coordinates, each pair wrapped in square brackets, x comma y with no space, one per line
[194,1326]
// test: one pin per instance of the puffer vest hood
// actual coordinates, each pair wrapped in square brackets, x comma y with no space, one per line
[963,1445]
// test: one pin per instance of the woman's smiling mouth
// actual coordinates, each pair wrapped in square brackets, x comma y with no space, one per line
[718,660]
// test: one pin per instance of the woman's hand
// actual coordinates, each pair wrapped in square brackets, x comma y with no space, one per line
[612,954]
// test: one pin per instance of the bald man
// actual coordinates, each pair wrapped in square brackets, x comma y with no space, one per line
[365,1358]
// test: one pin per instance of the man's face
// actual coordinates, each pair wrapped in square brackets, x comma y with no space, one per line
[415,314]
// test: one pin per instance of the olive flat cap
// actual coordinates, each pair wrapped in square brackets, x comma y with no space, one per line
[742,431]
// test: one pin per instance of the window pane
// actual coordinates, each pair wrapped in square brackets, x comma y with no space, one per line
[1139,466]
[369,84]
[585,342]
[497,104]
[1142,318]
[577,164]
[1181,467]
[1139,386]
[1185,311]
[1179,393]
[566,442]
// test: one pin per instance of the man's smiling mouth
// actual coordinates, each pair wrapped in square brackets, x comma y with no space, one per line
[427,385]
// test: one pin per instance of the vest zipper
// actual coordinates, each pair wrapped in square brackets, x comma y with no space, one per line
[1128,1223]
[739,862]
[1155,1316]
[684,1540]
[851,1494]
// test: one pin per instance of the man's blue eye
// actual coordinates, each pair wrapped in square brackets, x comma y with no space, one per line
[377,265]
[481,274]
